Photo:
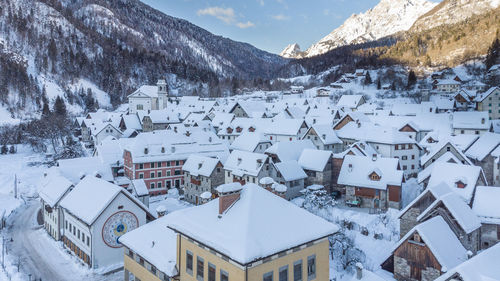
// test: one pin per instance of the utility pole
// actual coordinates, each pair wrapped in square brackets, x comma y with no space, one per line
[15,186]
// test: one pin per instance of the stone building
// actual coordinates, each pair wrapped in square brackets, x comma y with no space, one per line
[318,165]
[425,252]
[485,205]
[201,174]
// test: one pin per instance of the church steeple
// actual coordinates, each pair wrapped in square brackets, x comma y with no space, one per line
[162,94]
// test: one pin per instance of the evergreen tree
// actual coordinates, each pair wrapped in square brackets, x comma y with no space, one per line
[45,109]
[60,107]
[379,85]
[493,54]
[412,79]
[368,78]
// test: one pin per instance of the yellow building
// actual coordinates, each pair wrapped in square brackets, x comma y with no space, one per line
[247,234]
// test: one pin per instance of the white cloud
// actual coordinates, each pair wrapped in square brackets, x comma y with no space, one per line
[224,14]
[280,17]
[245,24]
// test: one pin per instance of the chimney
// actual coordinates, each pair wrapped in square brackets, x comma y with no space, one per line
[172,148]
[145,150]
[200,165]
[359,271]
[374,157]
[162,149]
[161,211]
[350,168]
[228,195]
[239,161]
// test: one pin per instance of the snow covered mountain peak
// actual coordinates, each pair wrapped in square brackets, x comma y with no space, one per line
[292,51]
[387,18]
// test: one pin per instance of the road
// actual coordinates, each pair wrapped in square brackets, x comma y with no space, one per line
[41,256]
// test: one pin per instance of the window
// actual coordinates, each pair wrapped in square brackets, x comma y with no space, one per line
[297,271]
[403,146]
[158,184]
[410,146]
[228,174]
[199,268]
[405,167]
[283,276]
[152,174]
[168,163]
[159,174]
[141,175]
[140,107]
[211,272]
[397,147]
[404,157]
[176,163]
[177,172]
[224,276]
[153,270]
[159,164]
[66,225]
[83,237]
[189,262]
[153,165]
[168,173]
[78,233]
[413,167]
[477,132]
[152,185]
[268,276]
[141,166]
[88,241]
[311,267]
[448,148]
[413,157]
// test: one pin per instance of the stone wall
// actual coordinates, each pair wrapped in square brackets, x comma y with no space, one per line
[408,221]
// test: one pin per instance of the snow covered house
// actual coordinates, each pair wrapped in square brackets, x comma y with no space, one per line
[442,149]
[249,109]
[288,151]
[318,166]
[245,235]
[448,86]
[103,131]
[149,98]
[374,182]
[140,191]
[156,119]
[158,156]
[246,167]
[472,122]
[201,174]
[356,117]
[462,179]
[252,142]
[281,130]
[387,141]
[483,152]
[290,174]
[489,102]
[351,102]
[150,252]
[483,266]
[485,205]
[426,252]
[324,138]
[95,214]
[54,188]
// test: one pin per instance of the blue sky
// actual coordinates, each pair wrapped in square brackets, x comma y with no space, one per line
[267,24]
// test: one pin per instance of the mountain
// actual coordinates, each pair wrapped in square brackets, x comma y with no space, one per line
[387,18]
[292,51]
[65,47]
[453,11]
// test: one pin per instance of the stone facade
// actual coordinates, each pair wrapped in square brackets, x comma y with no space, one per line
[194,186]
[408,221]
[490,235]
[323,178]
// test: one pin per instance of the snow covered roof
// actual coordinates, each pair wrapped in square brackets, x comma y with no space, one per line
[140,187]
[291,150]
[256,226]
[437,147]
[248,141]
[349,101]
[314,160]
[374,133]
[450,174]
[441,240]
[285,127]
[74,169]
[156,243]
[54,186]
[483,96]
[245,163]
[290,170]
[483,146]
[146,90]
[485,204]
[446,157]
[461,212]
[200,165]
[356,171]
[89,198]
[471,120]
[436,191]
[229,187]
[326,133]
[132,121]
[482,267]
[448,82]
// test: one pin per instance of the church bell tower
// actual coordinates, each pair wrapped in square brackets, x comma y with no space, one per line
[162,94]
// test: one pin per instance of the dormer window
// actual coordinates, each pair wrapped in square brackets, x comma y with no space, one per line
[229,130]
[374,176]
[460,184]
[416,237]
[251,129]
[239,129]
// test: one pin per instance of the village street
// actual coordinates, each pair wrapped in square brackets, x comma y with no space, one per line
[41,256]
